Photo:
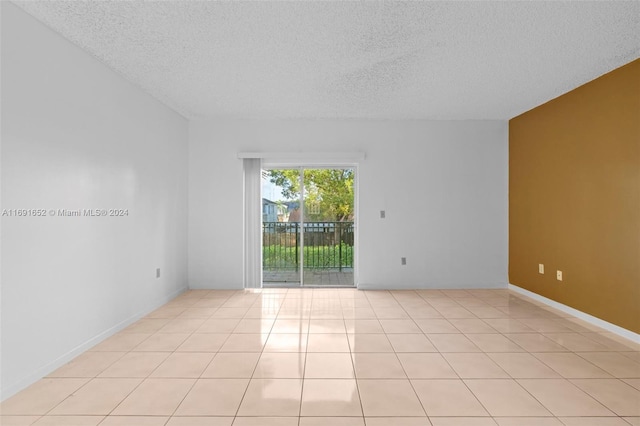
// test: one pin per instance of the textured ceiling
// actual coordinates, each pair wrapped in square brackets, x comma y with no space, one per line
[393,60]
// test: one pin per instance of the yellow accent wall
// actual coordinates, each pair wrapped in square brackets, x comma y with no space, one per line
[574,198]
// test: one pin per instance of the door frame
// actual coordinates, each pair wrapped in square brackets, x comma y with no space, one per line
[310,164]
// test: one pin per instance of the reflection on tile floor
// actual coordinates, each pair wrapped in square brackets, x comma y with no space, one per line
[343,357]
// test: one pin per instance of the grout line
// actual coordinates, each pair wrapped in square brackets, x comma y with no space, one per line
[195,381]
[523,310]
[355,377]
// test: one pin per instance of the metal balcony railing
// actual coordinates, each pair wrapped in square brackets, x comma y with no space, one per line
[327,245]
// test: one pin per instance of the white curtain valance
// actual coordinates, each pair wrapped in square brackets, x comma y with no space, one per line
[304,156]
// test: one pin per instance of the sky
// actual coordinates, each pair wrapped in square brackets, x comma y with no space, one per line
[271,191]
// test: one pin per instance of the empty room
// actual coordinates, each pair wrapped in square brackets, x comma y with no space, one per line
[320,213]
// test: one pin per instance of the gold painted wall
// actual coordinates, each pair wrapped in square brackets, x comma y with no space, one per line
[574,198]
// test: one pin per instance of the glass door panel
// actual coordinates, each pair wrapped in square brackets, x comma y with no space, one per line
[281,227]
[328,206]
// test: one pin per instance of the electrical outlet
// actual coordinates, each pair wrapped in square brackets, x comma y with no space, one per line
[559,275]
[383,214]
[540,268]
[158,273]
[403,260]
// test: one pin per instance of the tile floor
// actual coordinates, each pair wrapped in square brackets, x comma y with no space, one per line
[344,357]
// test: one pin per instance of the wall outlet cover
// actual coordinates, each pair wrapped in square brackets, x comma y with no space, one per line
[559,275]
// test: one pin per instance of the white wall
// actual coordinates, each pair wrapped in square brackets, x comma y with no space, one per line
[75,135]
[443,185]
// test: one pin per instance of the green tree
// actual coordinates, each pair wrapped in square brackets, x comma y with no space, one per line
[328,192]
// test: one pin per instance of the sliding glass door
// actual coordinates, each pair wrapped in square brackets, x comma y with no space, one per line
[308,226]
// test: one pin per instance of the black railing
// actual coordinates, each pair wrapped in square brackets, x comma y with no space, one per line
[327,245]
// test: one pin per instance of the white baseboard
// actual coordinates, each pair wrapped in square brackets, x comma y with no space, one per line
[622,332]
[432,286]
[41,372]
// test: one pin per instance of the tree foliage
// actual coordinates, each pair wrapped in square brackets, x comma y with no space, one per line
[328,193]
